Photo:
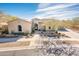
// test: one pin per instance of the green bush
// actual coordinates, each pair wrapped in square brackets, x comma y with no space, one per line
[20,33]
[5,32]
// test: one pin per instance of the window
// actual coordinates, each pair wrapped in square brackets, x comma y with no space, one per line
[19,28]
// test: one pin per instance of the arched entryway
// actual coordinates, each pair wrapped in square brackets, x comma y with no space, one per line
[20,28]
[36,26]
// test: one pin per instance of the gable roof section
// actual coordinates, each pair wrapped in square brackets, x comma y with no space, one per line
[20,20]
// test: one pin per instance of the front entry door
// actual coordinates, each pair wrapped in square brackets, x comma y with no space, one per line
[19,28]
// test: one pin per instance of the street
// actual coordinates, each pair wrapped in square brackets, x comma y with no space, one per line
[22,52]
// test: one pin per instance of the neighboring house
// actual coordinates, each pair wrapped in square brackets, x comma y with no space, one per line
[19,26]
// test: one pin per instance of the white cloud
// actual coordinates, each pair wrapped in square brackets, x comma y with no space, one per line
[64,15]
[57,11]
[43,5]
[58,14]
[54,7]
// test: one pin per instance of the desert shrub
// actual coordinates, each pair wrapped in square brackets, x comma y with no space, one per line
[5,32]
[21,33]
[32,32]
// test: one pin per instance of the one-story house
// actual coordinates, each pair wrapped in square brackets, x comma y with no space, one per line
[19,26]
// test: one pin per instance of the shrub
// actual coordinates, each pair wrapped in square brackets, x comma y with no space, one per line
[61,49]
[20,33]
[5,32]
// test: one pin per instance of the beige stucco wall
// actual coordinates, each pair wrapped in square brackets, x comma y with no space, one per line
[13,26]
[40,26]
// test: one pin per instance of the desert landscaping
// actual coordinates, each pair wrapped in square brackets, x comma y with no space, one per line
[27,32]
[41,46]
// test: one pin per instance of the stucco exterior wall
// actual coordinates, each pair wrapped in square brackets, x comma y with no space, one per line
[13,26]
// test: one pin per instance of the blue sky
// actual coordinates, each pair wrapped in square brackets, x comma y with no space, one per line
[41,10]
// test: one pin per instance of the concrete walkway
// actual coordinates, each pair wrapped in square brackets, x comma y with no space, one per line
[72,34]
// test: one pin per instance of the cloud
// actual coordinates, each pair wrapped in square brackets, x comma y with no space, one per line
[57,11]
[64,15]
[43,5]
[59,6]
[58,14]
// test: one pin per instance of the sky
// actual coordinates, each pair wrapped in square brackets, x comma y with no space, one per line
[41,10]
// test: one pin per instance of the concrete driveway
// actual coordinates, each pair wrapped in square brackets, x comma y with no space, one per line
[70,33]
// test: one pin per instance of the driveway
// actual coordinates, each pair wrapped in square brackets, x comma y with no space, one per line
[72,34]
